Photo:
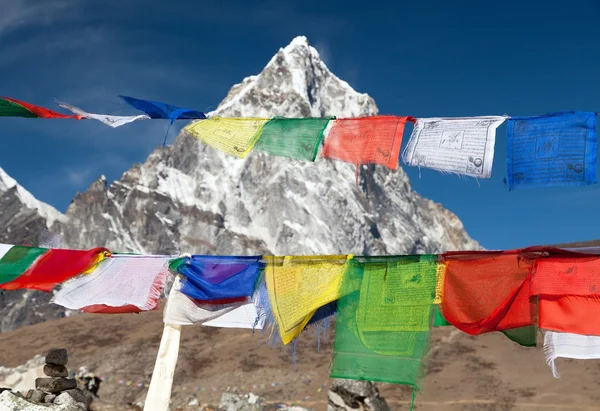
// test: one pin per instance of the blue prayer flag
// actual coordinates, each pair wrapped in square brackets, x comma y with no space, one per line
[552,150]
[210,278]
[156,110]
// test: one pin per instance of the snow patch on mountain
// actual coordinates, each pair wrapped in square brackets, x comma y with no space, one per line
[45,210]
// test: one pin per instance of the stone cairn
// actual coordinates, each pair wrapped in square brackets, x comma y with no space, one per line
[57,388]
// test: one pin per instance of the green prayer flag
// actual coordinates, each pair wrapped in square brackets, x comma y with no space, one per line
[11,109]
[439,320]
[17,260]
[525,336]
[297,138]
[384,319]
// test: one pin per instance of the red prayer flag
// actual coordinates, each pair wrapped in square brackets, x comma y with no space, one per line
[42,112]
[567,289]
[487,291]
[570,314]
[55,267]
[364,140]
[568,275]
[105,309]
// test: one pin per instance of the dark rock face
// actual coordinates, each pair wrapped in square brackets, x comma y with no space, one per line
[54,385]
[57,356]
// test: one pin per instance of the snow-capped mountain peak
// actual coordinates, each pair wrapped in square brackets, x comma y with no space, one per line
[49,213]
[297,83]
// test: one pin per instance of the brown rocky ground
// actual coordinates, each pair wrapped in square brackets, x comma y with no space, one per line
[487,372]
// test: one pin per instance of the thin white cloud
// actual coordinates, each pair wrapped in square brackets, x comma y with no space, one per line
[19,14]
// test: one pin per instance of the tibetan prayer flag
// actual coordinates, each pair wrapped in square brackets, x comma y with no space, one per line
[570,314]
[298,286]
[16,260]
[118,284]
[157,110]
[297,138]
[46,269]
[235,136]
[567,289]
[552,150]
[182,310]
[454,145]
[9,107]
[438,319]
[364,140]
[567,345]
[384,319]
[217,278]
[487,291]
[240,317]
[112,121]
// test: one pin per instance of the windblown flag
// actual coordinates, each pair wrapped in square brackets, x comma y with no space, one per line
[297,138]
[298,286]
[42,269]
[235,136]
[244,316]
[567,345]
[384,318]
[9,107]
[121,283]
[365,140]
[567,289]
[552,150]
[454,145]
[157,110]
[218,279]
[487,291]
[182,310]
[112,121]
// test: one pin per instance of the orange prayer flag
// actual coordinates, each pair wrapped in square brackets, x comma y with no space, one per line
[567,289]
[365,140]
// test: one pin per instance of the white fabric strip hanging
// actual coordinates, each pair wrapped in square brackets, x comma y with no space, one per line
[461,145]
[161,384]
[112,121]
[242,317]
[567,345]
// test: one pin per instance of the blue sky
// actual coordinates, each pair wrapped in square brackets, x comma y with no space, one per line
[426,59]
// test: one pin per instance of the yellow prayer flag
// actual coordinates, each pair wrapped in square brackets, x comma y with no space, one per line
[235,136]
[439,284]
[298,286]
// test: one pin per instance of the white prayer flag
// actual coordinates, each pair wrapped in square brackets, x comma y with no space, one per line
[461,145]
[116,282]
[113,121]
[567,345]
[182,310]
[242,317]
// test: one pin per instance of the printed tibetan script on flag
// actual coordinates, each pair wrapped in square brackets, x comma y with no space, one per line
[366,140]
[235,136]
[455,145]
[552,150]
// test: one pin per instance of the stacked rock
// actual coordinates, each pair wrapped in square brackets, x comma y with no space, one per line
[57,372]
